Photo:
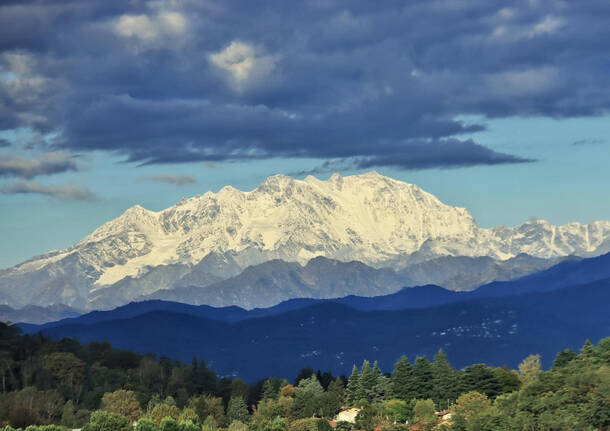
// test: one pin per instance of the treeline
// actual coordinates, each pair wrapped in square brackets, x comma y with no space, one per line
[102,389]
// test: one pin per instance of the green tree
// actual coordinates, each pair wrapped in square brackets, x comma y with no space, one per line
[209,424]
[402,380]
[483,379]
[102,420]
[444,381]
[68,415]
[67,370]
[424,413]
[238,426]
[237,410]
[123,403]
[162,411]
[529,368]
[474,412]
[353,386]
[422,378]
[564,357]
[169,424]
[189,425]
[396,411]
[367,418]
[145,424]
[307,398]
[337,391]
[188,414]
[368,380]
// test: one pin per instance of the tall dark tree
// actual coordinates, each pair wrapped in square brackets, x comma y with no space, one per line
[564,357]
[483,379]
[402,380]
[353,386]
[368,380]
[444,381]
[422,378]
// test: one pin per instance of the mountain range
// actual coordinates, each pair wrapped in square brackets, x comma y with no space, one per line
[255,248]
[499,323]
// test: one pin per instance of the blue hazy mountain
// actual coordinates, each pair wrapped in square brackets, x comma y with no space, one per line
[332,335]
[570,272]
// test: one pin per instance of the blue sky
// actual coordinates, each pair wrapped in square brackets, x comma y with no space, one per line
[501,107]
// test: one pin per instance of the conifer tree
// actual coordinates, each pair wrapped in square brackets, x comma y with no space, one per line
[353,386]
[237,410]
[422,378]
[368,380]
[444,381]
[402,380]
[337,390]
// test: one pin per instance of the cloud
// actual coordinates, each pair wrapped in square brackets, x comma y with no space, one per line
[70,192]
[549,25]
[174,180]
[149,28]
[46,164]
[245,64]
[588,141]
[173,81]
[4,143]
[417,155]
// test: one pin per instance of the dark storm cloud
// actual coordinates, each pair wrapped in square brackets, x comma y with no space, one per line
[45,164]
[70,192]
[375,84]
[174,180]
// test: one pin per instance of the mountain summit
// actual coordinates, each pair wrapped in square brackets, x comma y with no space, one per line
[369,218]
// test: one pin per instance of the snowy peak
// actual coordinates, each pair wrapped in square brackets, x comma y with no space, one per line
[369,218]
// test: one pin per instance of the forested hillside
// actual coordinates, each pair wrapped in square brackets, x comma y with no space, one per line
[100,388]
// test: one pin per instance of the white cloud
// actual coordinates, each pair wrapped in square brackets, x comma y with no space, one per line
[245,64]
[549,25]
[20,81]
[140,26]
[172,22]
[513,33]
[150,28]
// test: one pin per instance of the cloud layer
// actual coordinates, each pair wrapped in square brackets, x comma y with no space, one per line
[174,180]
[46,164]
[370,84]
[62,192]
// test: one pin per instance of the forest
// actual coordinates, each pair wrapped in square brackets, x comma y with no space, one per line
[56,385]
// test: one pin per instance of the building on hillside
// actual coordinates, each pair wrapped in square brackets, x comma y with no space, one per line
[348,415]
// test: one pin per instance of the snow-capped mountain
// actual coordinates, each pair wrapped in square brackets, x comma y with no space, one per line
[368,218]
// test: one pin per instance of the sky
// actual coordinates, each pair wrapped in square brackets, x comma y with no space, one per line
[501,107]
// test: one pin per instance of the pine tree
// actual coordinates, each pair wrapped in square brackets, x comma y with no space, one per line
[445,390]
[422,378]
[368,380]
[337,390]
[237,410]
[402,380]
[382,390]
[376,370]
[353,386]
